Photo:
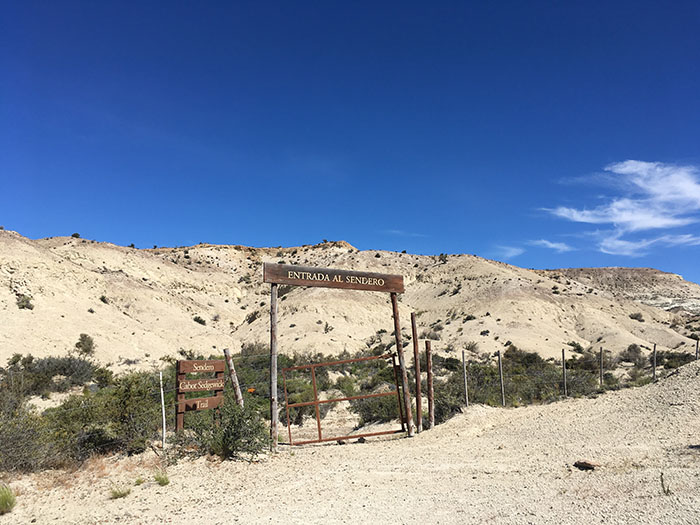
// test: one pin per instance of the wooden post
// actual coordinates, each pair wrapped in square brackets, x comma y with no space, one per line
[416,364]
[563,370]
[431,393]
[273,368]
[653,365]
[697,354]
[500,373]
[179,415]
[466,386]
[234,378]
[402,365]
[601,367]
[162,405]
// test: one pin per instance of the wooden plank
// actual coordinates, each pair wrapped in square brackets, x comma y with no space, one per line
[179,416]
[466,385]
[402,365]
[500,373]
[274,435]
[416,364]
[431,391]
[332,278]
[199,403]
[207,366]
[199,385]
[234,378]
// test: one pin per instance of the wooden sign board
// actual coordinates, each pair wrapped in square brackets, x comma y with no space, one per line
[331,278]
[184,385]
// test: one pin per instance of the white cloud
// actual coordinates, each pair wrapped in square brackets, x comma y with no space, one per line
[403,233]
[656,196]
[560,247]
[508,252]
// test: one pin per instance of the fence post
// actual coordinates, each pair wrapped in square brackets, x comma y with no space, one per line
[416,364]
[234,378]
[563,371]
[653,366]
[500,373]
[273,368]
[697,355]
[466,386]
[601,367]
[402,364]
[162,405]
[431,400]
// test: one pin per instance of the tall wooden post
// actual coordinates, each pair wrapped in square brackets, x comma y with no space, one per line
[500,373]
[234,378]
[697,350]
[563,371]
[653,365]
[416,364]
[466,386]
[179,413]
[402,365]
[601,367]
[431,392]
[162,406]
[273,368]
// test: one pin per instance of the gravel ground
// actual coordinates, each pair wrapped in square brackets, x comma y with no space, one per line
[487,465]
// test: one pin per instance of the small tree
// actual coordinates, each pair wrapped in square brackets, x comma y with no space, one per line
[76,236]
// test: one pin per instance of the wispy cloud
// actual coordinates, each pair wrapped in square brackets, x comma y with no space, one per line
[560,247]
[655,196]
[402,233]
[508,252]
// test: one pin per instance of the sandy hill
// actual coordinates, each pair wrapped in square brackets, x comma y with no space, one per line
[488,465]
[140,305]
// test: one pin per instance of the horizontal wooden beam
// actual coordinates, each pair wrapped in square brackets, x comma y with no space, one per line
[331,278]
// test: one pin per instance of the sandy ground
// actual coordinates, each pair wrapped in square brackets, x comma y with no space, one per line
[488,465]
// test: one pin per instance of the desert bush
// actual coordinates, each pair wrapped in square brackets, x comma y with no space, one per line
[161,477]
[7,499]
[24,302]
[198,319]
[375,409]
[25,446]
[241,432]
[85,345]
[637,316]
[670,359]
[633,354]
[76,236]
[119,492]
[26,376]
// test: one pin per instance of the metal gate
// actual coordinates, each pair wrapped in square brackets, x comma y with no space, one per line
[318,402]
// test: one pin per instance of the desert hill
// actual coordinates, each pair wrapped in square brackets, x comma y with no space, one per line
[647,285]
[139,305]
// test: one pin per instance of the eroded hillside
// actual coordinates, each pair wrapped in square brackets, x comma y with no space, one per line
[140,305]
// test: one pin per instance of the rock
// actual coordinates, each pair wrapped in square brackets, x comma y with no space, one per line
[586,465]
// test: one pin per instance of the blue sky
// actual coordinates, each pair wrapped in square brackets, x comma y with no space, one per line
[545,134]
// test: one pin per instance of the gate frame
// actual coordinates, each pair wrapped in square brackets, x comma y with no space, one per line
[317,402]
[277,274]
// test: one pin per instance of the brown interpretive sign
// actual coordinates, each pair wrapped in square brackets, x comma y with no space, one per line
[332,278]
[183,385]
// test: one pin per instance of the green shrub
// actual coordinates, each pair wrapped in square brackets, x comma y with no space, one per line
[198,319]
[637,316]
[76,236]
[161,477]
[24,302]
[7,499]
[85,345]
[241,432]
[670,359]
[376,409]
[119,492]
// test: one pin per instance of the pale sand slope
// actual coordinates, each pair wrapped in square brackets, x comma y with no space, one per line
[488,465]
[153,295]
